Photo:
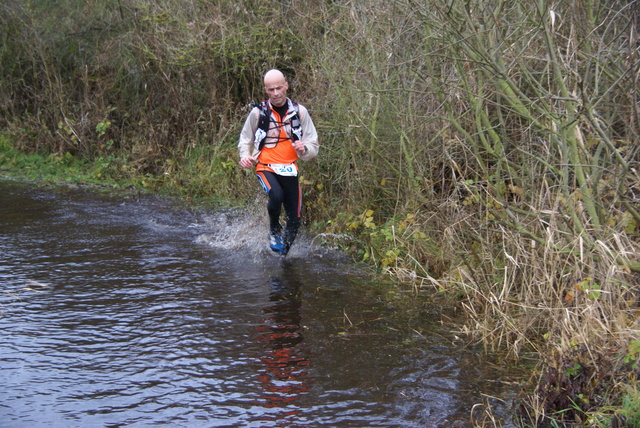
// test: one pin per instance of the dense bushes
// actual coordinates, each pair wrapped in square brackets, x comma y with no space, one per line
[483,149]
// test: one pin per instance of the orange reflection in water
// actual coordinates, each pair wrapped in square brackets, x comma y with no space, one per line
[282,378]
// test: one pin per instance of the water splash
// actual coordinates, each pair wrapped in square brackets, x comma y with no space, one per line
[248,231]
[234,230]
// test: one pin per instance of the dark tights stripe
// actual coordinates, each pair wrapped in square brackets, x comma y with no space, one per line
[282,191]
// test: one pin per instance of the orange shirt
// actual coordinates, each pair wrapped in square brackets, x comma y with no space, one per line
[282,153]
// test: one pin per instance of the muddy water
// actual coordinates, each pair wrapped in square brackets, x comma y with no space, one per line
[122,311]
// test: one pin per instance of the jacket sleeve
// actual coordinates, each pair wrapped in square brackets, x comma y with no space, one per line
[245,143]
[309,135]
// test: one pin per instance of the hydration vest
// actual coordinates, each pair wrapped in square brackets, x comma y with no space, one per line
[264,122]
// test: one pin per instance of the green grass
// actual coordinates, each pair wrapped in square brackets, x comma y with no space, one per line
[51,167]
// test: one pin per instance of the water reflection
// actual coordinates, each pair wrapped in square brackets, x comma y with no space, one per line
[285,365]
[156,316]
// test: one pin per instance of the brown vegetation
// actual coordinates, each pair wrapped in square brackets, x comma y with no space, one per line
[487,150]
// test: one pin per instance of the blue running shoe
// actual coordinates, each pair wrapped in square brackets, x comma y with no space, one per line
[275,242]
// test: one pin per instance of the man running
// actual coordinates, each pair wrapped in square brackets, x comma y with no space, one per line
[275,135]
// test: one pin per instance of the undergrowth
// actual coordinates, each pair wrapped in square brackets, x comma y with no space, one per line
[483,150]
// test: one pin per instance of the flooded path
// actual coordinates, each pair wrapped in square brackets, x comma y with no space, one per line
[118,311]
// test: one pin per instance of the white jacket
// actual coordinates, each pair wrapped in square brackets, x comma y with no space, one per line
[309,134]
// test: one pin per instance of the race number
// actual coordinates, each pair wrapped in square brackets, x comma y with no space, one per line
[286,169]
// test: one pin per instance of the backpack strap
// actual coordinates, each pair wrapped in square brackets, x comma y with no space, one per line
[264,122]
[296,127]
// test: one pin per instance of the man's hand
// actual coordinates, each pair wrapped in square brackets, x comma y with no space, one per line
[299,147]
[247,162]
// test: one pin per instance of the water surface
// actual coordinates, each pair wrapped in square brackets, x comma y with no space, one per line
[135,311]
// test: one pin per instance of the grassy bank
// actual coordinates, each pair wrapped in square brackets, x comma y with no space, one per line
[487,151]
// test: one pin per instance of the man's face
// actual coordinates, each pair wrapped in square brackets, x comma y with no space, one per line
[277,91]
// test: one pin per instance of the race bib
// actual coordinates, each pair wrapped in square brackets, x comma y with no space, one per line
[286,169]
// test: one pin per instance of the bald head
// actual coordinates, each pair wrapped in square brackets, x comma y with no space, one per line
[273,75]
[276,87]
